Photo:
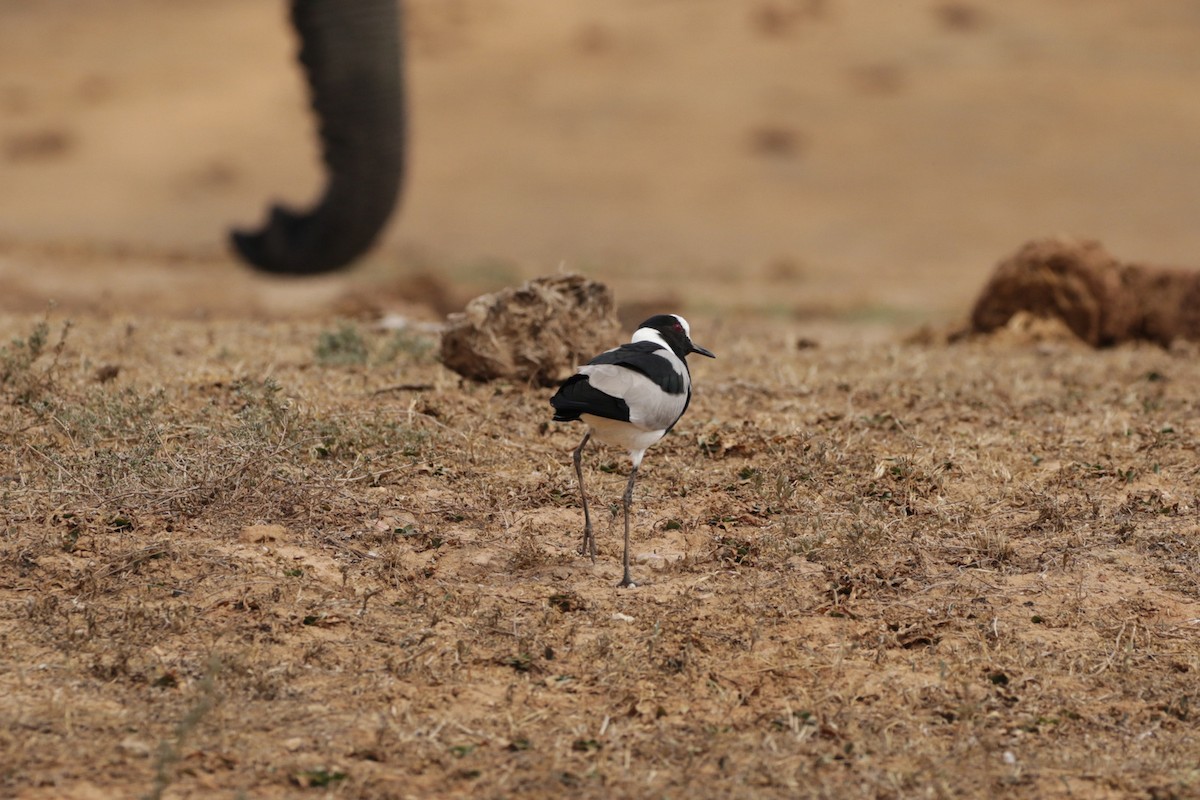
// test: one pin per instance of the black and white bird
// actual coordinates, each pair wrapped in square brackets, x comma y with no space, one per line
[630,397]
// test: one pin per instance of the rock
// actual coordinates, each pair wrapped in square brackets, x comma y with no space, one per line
[133,746]
[536,333]
[263,533]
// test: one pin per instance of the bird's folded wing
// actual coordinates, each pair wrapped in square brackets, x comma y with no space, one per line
[647,358]
[577,396]
[648,405]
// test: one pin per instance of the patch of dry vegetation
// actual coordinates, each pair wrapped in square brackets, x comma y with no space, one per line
[234,563]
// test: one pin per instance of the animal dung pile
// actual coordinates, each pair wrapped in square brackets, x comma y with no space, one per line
[1103,301]
[535,333]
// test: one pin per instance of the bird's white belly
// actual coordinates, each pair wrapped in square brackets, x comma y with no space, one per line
[621,434]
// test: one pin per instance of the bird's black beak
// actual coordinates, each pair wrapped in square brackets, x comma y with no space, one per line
[698,349]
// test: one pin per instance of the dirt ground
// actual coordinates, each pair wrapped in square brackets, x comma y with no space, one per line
[256,543]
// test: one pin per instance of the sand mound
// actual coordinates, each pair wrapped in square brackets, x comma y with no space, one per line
[537,333]
[1103,301]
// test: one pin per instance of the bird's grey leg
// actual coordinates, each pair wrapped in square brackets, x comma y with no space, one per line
[588,548]
[627,580]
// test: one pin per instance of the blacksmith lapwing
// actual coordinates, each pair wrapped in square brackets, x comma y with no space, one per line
[630,397]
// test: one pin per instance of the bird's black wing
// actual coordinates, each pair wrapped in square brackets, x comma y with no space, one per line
[577,396]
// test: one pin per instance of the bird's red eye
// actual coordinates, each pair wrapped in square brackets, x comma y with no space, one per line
[678,327]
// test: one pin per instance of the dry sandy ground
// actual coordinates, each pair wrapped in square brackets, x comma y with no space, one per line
[251,549]
[235,567]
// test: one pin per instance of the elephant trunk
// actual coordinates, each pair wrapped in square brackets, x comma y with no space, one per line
[351,52]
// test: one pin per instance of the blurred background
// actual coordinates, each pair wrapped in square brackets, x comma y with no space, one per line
[840,159]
